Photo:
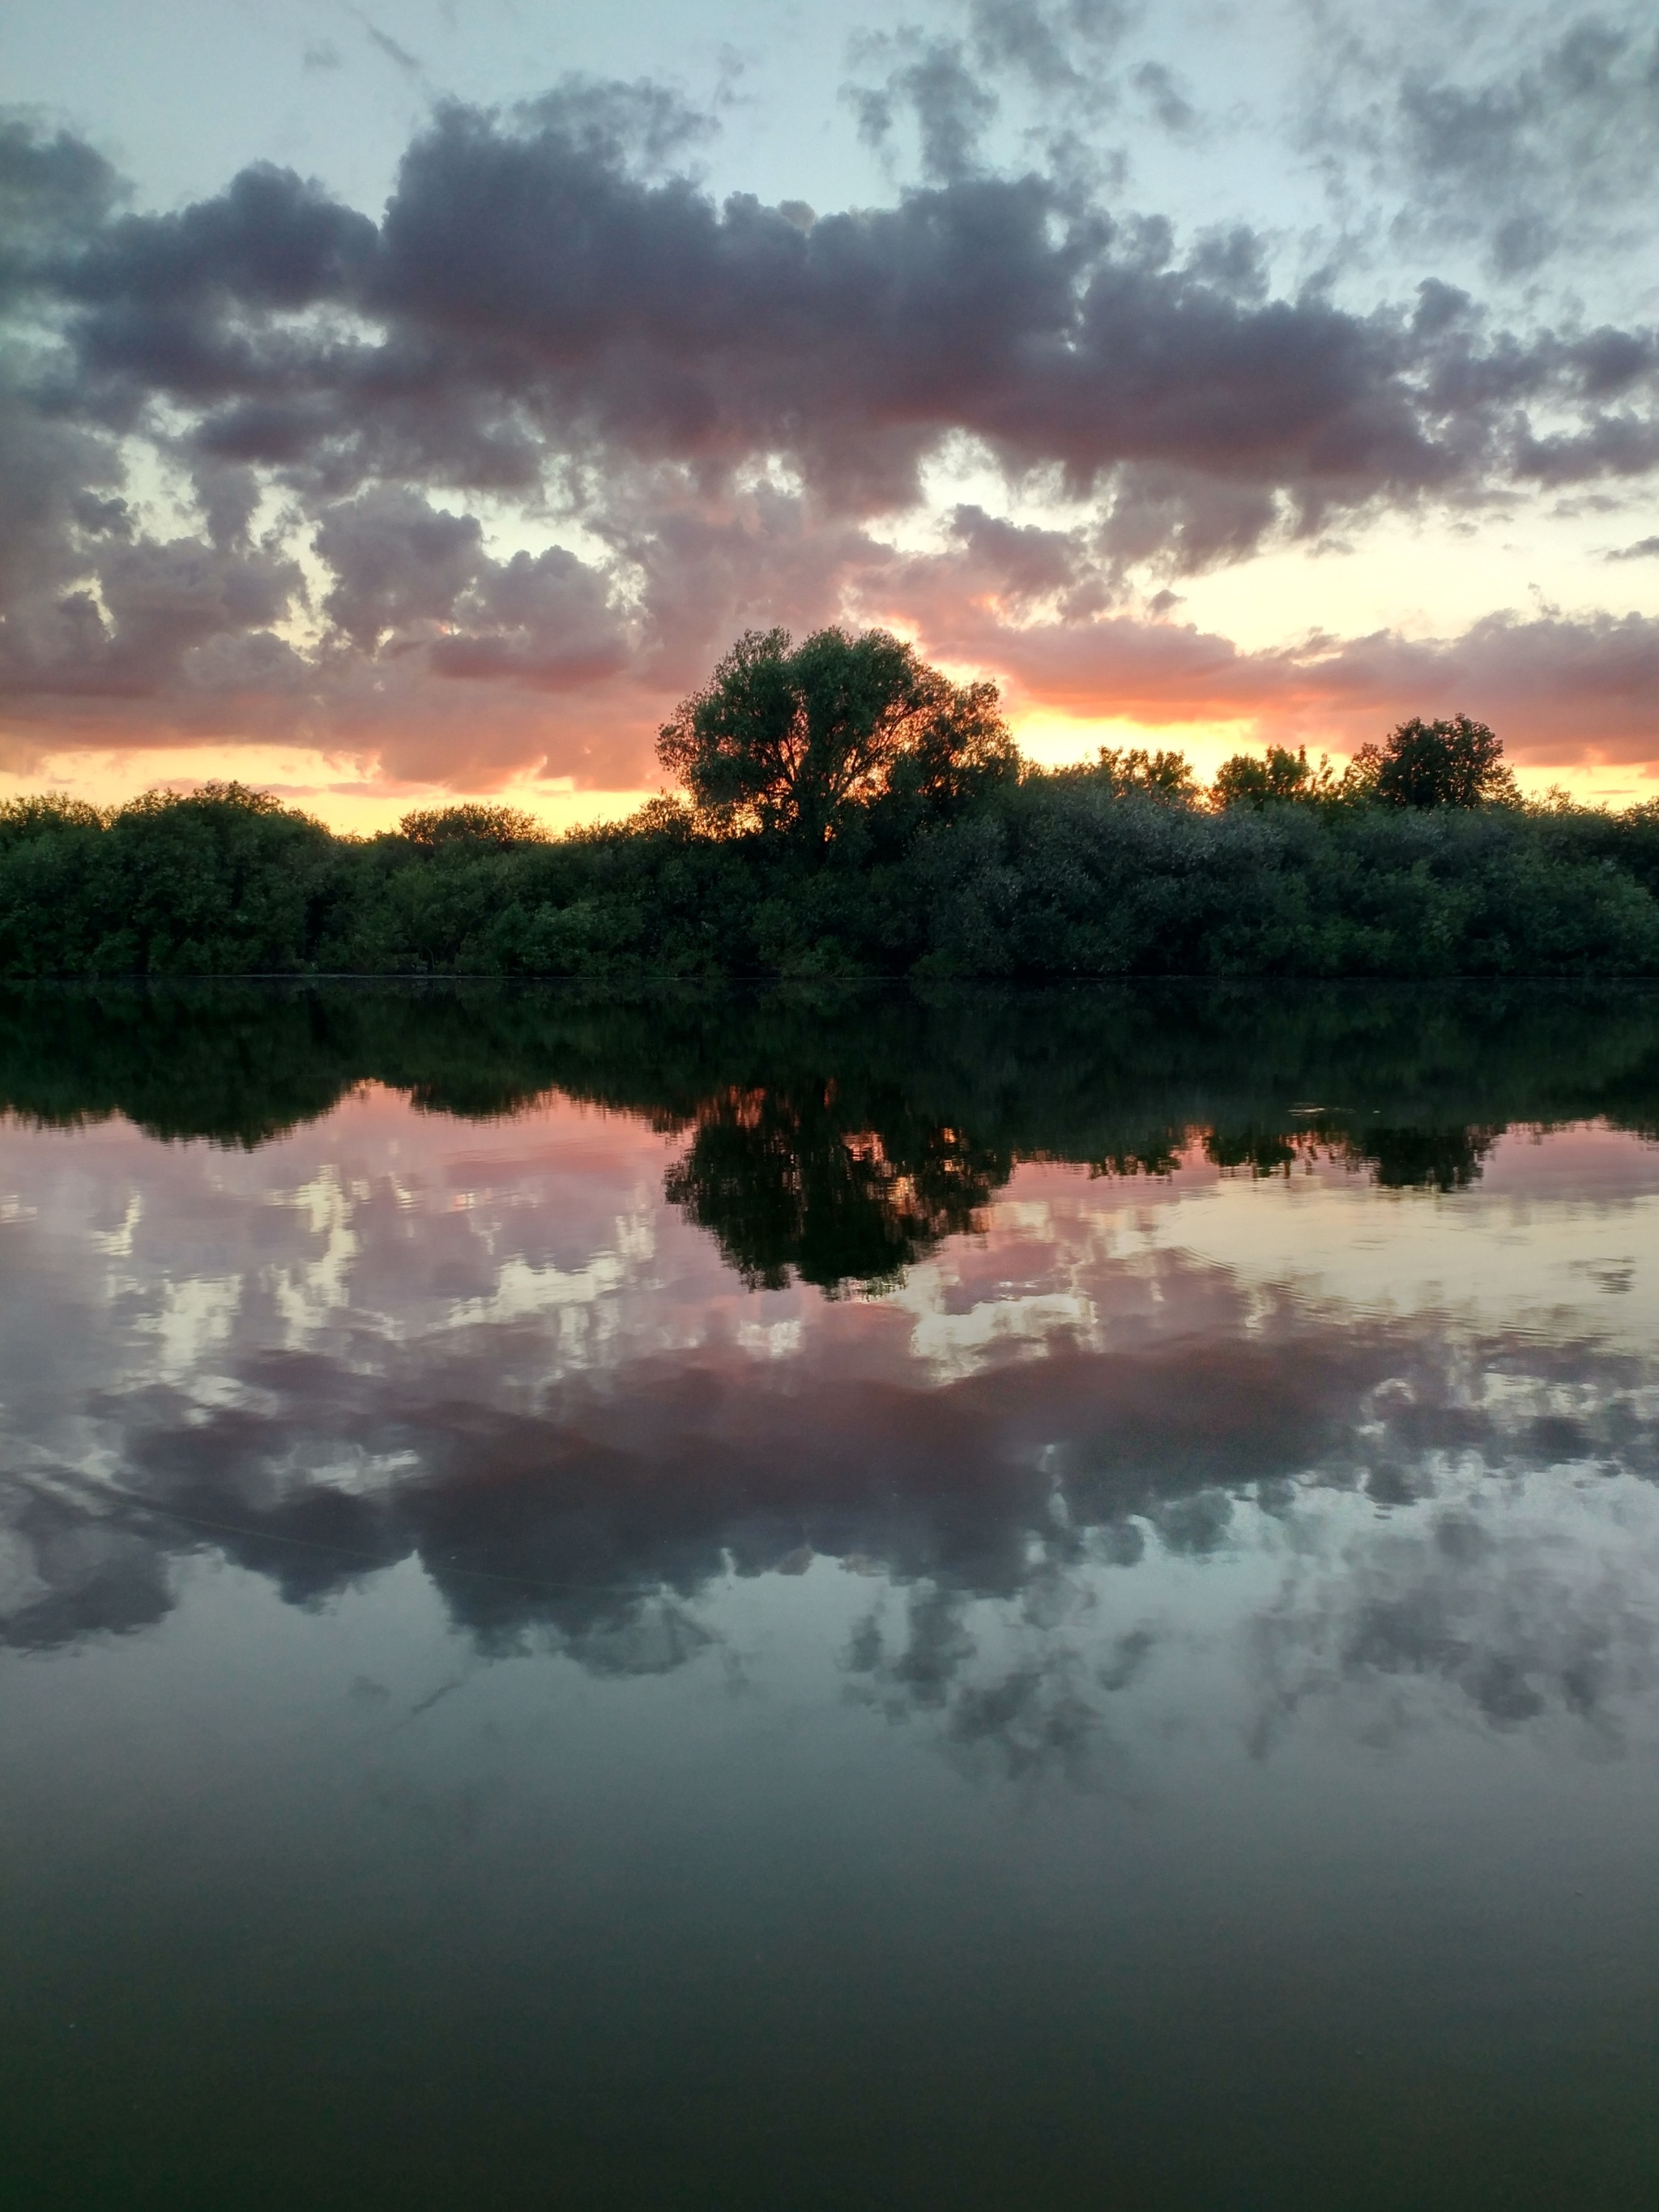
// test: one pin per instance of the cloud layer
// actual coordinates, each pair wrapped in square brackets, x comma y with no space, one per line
[264,460]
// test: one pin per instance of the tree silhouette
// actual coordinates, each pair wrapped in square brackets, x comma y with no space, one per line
[796,740]
[1283,777]
[472,826]
[787,1181]
[1422,764]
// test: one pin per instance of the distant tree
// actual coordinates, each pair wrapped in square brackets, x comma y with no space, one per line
[223,880]
[662,816]
[474,826]
[1424,764]
[1282,778]
[222,802]
[1159,774]
[1126,773]
[40,815]
[797,740]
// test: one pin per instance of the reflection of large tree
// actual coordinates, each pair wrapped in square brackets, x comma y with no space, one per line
[791,1179]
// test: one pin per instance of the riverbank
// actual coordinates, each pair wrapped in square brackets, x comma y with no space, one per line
[1050,877]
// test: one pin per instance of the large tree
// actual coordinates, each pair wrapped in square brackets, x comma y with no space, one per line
[798,740]
[1454,763]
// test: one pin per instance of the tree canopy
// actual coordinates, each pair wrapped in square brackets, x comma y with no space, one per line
[1135,771]
[799,740]
[1419,764]
[473,823]
[1283,776]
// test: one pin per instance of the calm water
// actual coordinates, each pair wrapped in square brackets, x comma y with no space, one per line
[830,1598]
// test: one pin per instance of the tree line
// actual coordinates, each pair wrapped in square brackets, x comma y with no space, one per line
[848,810]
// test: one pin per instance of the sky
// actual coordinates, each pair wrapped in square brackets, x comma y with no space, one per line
[418,400]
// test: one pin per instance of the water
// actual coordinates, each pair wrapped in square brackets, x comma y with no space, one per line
[809,1599]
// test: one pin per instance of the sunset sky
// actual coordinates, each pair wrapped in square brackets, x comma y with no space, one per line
[419,397]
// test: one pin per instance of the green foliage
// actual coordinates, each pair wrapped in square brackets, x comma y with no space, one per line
[1282,779]
[1126,772]
[798,741]
[41,814]
[854,814]
[1056,875]
[789,1180]
[223,880]
[472,826]
[1426,764]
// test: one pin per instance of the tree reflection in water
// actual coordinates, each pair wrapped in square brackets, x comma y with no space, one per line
[788,1181]
[840,1133]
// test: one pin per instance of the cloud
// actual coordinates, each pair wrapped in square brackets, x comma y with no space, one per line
[1161,88]
[526,266]
[400,56]
[1557,686]
[1540,679]
[56,191]
[396,560]
[408,574]
[931,77]
[1528,136]
[1450,1599]
[1063,49]
[708,415]
[103,611]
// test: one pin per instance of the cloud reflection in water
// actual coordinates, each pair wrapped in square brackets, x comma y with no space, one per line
[1129,1427]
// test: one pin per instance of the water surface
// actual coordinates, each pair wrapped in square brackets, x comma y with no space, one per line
[687,1599]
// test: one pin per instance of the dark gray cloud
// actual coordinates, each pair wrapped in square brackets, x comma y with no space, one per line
[544,619]
[1531,155]
[56,193]
[397,562]
[400,56]
[527,267]
[1531,674]
[551,315]
[1161,88]
[156,616]
[705,574]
